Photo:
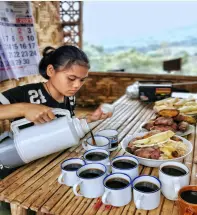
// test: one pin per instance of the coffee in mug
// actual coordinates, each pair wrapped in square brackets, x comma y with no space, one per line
[146,192]
[72,167]
[173,170]
[117,183]
[147,187]
[90,182]
[91,173]
[112,135]
[189,196]
[173,175]
[187,200]
[101,143]
[118,190]
[125,164]
[68,171]
[96,156]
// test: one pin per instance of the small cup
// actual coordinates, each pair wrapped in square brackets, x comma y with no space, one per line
[125,164]
[107,108]
[101,143]
[187,202]
[90,180]
[146,197]
[117,190]
[97,156]
[173,176]
[69,167]
[112,135]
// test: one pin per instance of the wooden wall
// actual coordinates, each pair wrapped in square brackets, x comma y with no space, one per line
[107,87]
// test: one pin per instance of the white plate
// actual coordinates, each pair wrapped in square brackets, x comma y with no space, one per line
[179,133]
[153,162]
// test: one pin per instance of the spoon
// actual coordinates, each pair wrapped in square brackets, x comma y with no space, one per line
[93,140]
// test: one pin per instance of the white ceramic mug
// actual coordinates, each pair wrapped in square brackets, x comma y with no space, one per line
[117,197]
[90,187]
[146,200]
[105,161]
[69,177]
[101,143]
[132,172]
[172,184]
[112,135]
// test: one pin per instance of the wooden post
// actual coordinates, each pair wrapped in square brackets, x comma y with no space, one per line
[17,210]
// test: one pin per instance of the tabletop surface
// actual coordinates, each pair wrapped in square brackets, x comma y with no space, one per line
[35,185]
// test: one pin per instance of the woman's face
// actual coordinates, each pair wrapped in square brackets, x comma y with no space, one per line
[69,81]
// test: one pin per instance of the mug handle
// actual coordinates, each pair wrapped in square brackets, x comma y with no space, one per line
[84,145]
[188,211]
[75,188]
[104,198]
[108,165]
[177,186]
[60,178]
[139,201]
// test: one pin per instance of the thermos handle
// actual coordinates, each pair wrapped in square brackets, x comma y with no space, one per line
[15,125]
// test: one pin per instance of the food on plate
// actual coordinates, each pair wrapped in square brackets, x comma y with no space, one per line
[157,145]
[167,101]
[165,122]
[168,112]
[188,108]
[185,118]
[188,105]
[183,126]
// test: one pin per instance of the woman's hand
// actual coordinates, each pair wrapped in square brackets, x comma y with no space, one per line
[38,113]
[98,115]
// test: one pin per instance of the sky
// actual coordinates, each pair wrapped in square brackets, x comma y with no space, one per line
[119,23]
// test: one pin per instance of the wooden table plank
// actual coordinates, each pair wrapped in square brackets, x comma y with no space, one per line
[42,185]
[36,178]
[11,185]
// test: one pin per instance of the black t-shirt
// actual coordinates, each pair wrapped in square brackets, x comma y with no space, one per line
[36,94]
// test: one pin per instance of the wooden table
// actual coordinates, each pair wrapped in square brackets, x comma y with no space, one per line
[34,186]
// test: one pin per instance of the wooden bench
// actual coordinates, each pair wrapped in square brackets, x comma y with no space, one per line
[34,186]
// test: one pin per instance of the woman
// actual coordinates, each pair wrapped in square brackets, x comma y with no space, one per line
[66,69]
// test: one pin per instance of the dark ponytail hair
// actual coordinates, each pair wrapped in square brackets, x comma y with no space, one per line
[63,57]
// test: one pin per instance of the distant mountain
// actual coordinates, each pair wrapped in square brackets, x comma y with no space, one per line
[185,36]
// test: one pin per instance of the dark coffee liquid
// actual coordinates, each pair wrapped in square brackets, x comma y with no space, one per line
[189,196]
[91,173]
[173,170]
[146,187]
[72,167]
[124,164]
[114,145]
[117,183]
[96,156]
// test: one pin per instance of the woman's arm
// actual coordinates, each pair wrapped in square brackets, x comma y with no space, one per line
[33,112]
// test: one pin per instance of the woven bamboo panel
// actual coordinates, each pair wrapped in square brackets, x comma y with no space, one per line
[47,23]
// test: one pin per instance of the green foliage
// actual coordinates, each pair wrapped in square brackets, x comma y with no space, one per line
[133,60]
